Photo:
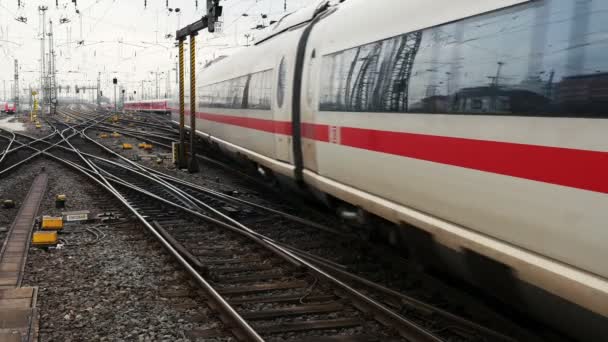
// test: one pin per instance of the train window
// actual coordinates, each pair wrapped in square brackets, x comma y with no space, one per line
[249,91]
[477,104]
[260,90]
[541,58]
[226,94]
[282,82]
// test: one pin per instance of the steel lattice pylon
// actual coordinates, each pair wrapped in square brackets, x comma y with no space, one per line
[395,97]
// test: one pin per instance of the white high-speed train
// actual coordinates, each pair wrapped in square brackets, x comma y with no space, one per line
[478,129]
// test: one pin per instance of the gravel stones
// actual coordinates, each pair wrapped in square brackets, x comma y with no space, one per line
[109,282]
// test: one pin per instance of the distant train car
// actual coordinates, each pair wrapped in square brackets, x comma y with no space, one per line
[478,133]
[151,106]
[10,108]
[2,106]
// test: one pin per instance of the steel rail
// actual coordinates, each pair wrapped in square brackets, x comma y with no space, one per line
[336,269]
[406,327]
[248,332]
[266,242]
[5,151]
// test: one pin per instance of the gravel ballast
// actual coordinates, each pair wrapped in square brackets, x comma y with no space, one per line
[109,282]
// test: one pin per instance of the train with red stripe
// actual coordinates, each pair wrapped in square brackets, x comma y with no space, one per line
[10,108]
[150,106]
[476,134]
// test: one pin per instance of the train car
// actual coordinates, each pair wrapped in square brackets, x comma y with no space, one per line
[10,108]
[478,131]
[151,106]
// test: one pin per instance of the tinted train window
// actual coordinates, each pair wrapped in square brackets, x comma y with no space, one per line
[226,94]
[260,89]
[545,58]
[245,92]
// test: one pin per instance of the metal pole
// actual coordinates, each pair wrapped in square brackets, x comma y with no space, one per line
[16,86]
[98,87]
[182,132]
[157,88]
[193,166]
[115,110]
[43,10]
[168,85]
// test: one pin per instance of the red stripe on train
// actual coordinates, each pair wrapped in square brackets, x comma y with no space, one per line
[582,169]
[271,126]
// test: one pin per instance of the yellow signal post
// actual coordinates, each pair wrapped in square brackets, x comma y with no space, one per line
[34,112]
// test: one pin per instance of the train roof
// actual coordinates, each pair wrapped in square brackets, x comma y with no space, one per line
[294,19]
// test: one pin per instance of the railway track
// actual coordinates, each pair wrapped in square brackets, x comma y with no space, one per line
[333,250]
[295,276]
[264,288]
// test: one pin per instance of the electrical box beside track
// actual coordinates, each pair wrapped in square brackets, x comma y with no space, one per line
[52,223]
[44,239]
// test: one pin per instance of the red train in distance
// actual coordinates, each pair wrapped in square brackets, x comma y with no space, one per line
[153,106]
[10,108]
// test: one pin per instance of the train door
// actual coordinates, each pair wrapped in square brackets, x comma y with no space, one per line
[282,114]
[309,127]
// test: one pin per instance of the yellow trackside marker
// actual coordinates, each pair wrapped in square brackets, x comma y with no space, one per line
[44,238]
[115,135]
[52,223]
[103,135]
[127,146]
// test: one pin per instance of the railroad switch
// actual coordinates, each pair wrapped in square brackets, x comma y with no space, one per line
[126,146]
[44,239]
[8,204]
[108,217]
[52,223]
[60,201]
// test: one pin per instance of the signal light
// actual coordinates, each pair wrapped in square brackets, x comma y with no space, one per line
[214,11]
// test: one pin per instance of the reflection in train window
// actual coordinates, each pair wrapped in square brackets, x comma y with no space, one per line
[226,94]
[260,90]
[245,92]
[541,58]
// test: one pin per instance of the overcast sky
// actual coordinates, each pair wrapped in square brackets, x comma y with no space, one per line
[120,38]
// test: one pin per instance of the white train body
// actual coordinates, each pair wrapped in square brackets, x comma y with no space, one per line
[482,123]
